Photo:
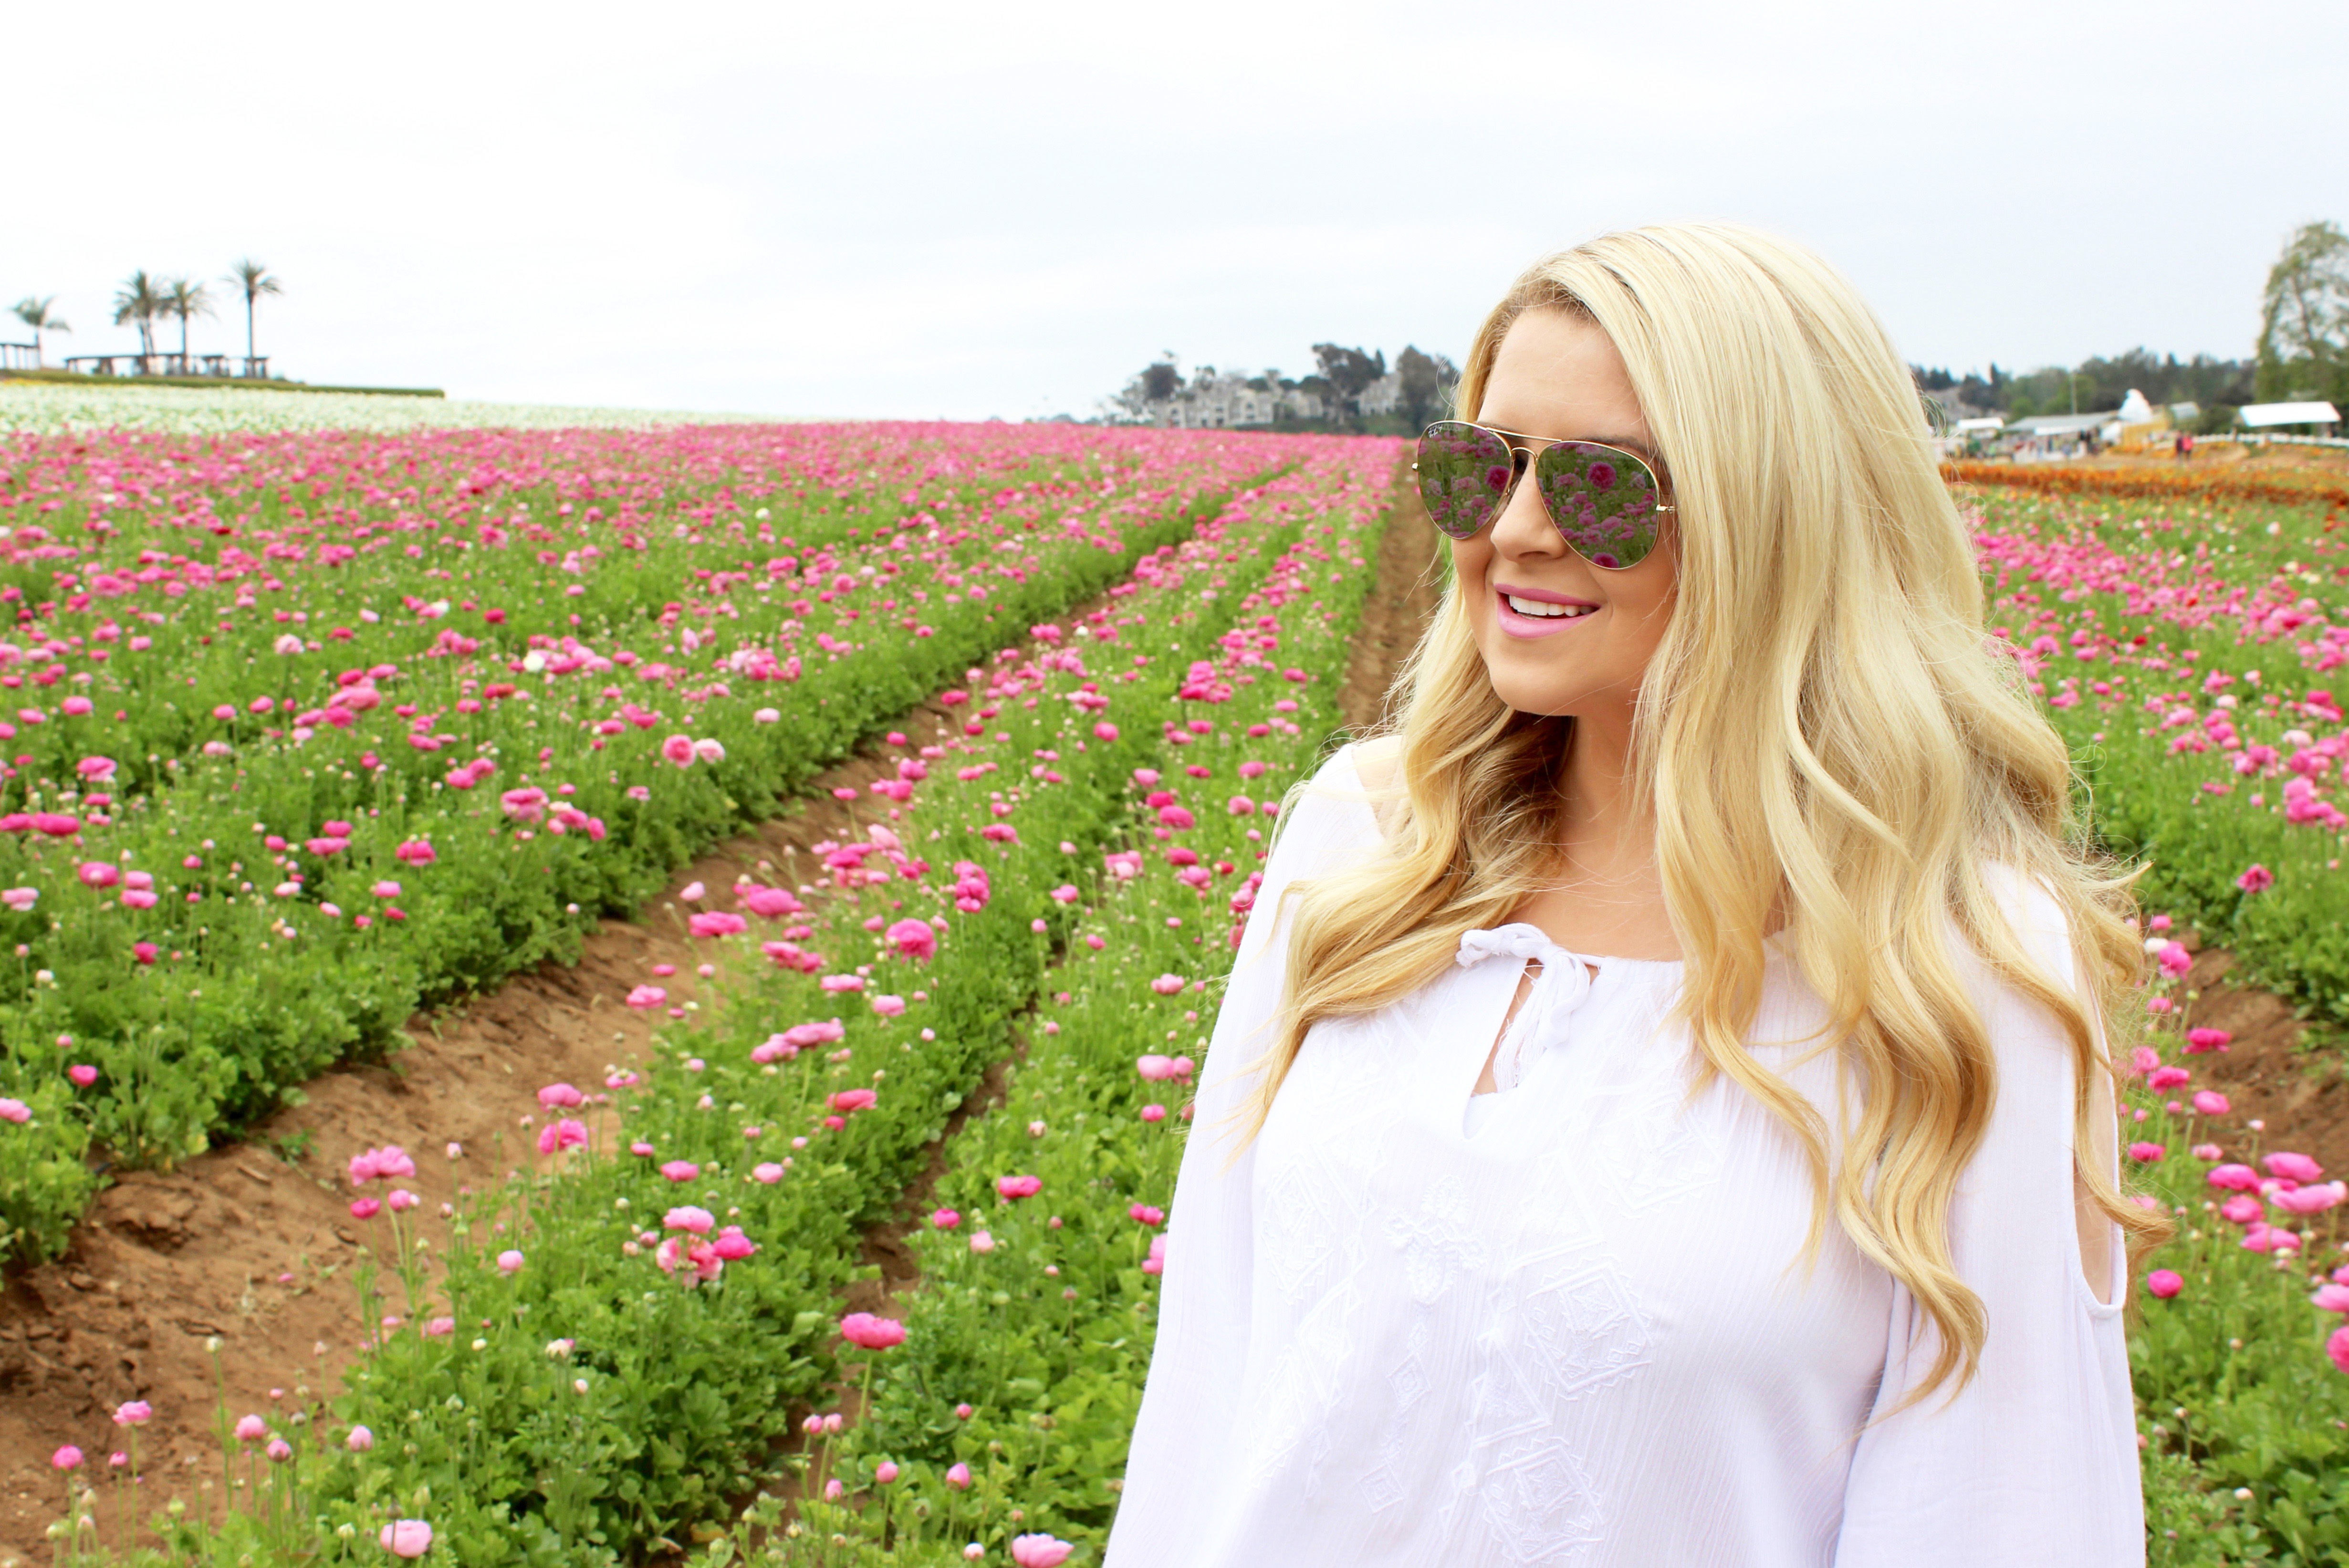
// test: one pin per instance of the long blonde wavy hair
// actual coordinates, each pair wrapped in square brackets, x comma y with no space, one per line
[1825,731]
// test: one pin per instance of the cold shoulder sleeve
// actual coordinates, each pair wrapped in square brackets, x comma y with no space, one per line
[1184,1428]
[2035,1460]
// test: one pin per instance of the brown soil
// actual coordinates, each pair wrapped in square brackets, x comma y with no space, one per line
[2270,1071]
[1410,583]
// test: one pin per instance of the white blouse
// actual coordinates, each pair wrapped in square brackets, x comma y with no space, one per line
[1569,1322]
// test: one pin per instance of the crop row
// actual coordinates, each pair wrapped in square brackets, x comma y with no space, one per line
[311,730]
[606,1351]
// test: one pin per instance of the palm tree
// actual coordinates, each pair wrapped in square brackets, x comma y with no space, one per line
[137,302]
[35,314]
[183,299]
[254,280]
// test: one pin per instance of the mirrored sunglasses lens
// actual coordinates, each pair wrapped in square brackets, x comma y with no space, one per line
[1603,500]
[1464,476]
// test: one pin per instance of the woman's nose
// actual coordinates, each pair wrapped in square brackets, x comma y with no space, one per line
[1523,530]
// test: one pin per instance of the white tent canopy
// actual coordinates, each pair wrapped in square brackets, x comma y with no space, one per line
[2257,415]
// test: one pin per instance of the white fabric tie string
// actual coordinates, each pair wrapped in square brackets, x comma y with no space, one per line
[1563,984]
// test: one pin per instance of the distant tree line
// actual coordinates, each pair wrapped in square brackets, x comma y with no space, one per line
[144,299]
[1350,389]
[2303,355]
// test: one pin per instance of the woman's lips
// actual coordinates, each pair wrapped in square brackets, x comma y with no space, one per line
[1518,624]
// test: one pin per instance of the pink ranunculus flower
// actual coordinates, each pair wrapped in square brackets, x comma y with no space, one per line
[82,1074]
[687,1217]
[251,1429]
[1168,984]
[2208,1153]
[2237,1178]
[944,1219]
[849,1102]
[406,1538]
[133,1413]
[2164,1283]
[2336,1345]
[2256,878]
[1039,1551]
[959,1476]
[2164,1078]
[98,873]
[2201,1040]
[678,748]
[913,939]
[2331,1296]
[2146,1153]
[889,1007]
[20,899]
[2210,1102]
[732,1245]
[645,998]
[982,1242]
[70,1458]
[709,750]
[681,1170]
[716,923]
[870,1333]
[1016,1186]
[559,1135]
[509,1261]
[561,1097]
[360,1441]
[2311,1200]
[2292,1167]
[767,1174]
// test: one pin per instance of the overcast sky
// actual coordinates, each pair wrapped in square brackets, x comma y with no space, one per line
[965,211]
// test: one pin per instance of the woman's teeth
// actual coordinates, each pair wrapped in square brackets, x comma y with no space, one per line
[1536,607]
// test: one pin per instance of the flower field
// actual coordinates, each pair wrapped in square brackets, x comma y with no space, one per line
[368,719]
[302,730]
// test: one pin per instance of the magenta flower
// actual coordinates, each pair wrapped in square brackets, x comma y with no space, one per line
[2336,1345]
[561,1096]
[645,998]
[20,899]
[2293,1167]
[415,852]
[2146,1153]
[67,1457]
[15,1111]
[982,1242]
[681,1170]
[848,1101]
[360,1441]
[767,1174]
[2164,1283]
[2239,1177]
[913,939]
[959,1476]
[889,1007]
[1039,1551]
[2201,1040]
[716,923]
[2256,878]
[2209,1102]
[2313,1200]
[509,1261]
[944,1219]
[558,1136]
[732,1245]
[406,1538]
[82,1074]
[2331,1296]
[870,1333]
[1168,984]
[700,1222]
[884,1473]
[98,873]
[365,1208]
[1147,1214]
[678,748]
[251,1429]
[1016,1187]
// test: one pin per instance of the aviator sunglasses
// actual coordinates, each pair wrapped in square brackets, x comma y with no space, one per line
[1605,501]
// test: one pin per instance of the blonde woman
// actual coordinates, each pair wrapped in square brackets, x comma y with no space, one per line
[1661,1113]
